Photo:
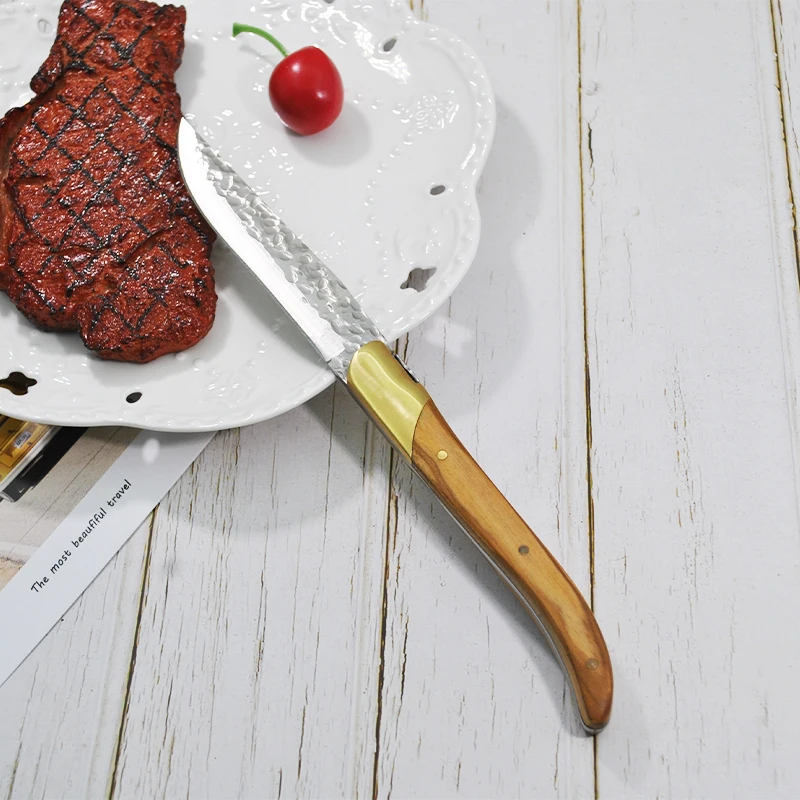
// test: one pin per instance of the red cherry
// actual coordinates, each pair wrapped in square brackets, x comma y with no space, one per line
[305,89]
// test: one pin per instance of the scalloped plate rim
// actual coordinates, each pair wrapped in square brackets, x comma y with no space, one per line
[10,405]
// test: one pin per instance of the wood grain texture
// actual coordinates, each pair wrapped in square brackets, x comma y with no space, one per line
[517,553]
[692,307]
[257,655]
[62,708]
[783,133]
[473,702]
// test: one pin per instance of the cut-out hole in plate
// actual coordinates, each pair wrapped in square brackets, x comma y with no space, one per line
[133,397]
[389,44]
[17,383]
[418,278]
[438,189]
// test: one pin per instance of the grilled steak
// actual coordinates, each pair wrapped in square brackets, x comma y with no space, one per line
[97,231]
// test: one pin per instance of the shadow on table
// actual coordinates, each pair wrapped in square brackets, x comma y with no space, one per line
[628,724]
[628,714]
[489,301]
[509,199]
[467,557]
[471,561]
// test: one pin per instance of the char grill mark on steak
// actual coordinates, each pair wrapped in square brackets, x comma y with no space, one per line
[97,230]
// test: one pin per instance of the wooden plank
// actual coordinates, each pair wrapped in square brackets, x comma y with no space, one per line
[786,29]
[473,703]
[692,307]
[256,662]
[62,708]
[786,21]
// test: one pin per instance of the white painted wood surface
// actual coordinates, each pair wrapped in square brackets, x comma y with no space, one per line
[304,621]
[692,310]
[261,614]
[62,709]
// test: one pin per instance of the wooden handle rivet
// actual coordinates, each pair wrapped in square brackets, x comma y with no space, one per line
[441,455]
[524,549]
[592,663]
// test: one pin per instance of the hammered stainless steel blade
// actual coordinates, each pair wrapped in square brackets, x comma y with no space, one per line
[308,291]
[356,352]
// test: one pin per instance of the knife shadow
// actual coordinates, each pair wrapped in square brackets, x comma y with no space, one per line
[489,300]
[629,721]
[492,300]
[470,561]
[457,546]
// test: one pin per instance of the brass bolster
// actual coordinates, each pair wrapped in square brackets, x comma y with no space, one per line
[388,393]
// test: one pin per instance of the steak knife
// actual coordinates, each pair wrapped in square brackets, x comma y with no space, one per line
[358,355]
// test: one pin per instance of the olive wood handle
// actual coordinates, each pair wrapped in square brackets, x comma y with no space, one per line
[516,552]
[404,411]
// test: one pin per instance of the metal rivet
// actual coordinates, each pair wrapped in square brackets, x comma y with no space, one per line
[441,455]
[524,549]
[592,663]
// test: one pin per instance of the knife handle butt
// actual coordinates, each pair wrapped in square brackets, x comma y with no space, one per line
[405,413]
[515,551]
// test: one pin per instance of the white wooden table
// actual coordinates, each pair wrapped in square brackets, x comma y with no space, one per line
[301,619]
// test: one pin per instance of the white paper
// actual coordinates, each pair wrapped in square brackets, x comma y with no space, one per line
[56,575]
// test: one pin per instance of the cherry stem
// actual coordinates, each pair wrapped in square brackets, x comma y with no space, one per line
[239,28]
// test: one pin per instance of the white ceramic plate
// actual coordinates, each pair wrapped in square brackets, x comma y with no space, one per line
[366,195]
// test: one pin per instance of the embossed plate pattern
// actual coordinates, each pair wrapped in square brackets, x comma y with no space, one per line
[389,188]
